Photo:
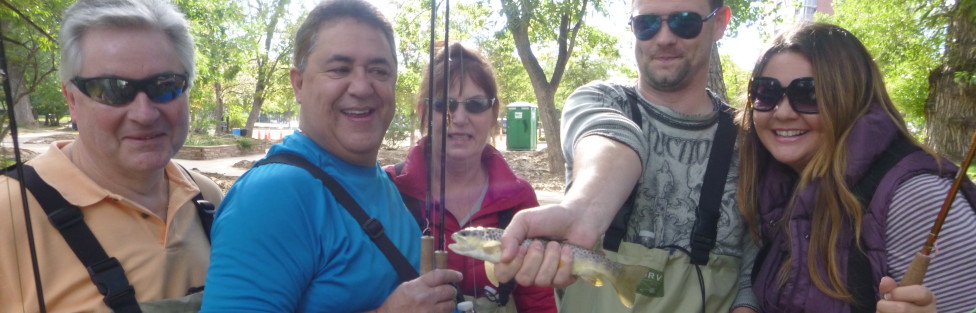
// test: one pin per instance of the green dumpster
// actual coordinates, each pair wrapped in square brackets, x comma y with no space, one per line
[521,126]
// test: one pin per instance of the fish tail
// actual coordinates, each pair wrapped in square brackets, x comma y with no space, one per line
[625,282]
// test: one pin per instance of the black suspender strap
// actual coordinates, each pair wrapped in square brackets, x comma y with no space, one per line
[205,209]
[859,280]
[371,226]
[618,227]
[106,272]
[635,112]
[705,231]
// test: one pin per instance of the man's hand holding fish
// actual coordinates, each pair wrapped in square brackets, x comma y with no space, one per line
[484,244]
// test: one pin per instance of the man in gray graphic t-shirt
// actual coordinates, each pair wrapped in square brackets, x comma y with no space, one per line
[660,153]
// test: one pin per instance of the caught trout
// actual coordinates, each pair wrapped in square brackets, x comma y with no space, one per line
[484,243]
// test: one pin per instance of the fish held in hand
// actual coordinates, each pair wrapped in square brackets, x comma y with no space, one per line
[484,243]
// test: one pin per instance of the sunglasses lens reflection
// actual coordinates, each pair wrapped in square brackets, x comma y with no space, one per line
[646,26]
[477,105]
[766,93]
[803,96]
[120,92]
[686,25]
[470,105]
[165,89]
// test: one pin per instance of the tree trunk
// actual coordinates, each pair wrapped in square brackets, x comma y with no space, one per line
[715,81]
[266,65]
[256,104]
[550,127]
[218,113]
[950,110]
[519,16]
[23,110]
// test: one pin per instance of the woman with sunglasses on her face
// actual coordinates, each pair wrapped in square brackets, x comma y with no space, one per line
[481,190]
[837,189]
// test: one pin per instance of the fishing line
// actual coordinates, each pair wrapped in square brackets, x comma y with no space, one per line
[701,279]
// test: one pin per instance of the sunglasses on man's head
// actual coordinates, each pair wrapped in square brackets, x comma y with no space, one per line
[686,25]
[765,93]
[476,105]
[115,91]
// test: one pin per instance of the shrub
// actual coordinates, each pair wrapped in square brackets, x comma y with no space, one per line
[245,143]
[197,139]
[399,131]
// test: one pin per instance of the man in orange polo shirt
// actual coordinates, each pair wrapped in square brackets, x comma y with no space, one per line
[126,67]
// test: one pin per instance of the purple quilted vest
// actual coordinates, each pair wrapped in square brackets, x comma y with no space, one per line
[872,133]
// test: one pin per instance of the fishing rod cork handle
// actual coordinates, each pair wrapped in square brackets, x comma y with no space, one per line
[440,259]
[916,271]
[426,254]
[430,259]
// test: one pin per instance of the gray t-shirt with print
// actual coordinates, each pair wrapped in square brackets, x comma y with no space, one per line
[674,150]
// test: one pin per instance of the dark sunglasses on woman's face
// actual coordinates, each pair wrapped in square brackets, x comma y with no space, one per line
[116,91]
[765,93]
[686,25]
[476,105]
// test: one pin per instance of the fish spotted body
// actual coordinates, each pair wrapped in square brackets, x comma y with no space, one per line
[484,243]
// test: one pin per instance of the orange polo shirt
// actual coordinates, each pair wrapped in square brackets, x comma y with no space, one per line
[162,259]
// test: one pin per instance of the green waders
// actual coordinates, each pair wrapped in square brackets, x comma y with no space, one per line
[672,284]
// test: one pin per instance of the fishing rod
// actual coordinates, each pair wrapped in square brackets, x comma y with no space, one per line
[441,254]
[431,258]
[920,264]
[18,165]
[426,240]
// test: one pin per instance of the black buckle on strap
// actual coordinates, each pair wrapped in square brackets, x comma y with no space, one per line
[65,217]
[701,244]
[109,276]
[206,206]
[373,227]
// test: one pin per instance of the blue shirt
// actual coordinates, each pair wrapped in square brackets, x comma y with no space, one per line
[281,242]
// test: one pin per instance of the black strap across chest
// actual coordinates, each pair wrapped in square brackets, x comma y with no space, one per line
[106,272]
[705,230]
[860,282]
[371,226]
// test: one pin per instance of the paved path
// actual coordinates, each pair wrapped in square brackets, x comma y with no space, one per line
[223,166]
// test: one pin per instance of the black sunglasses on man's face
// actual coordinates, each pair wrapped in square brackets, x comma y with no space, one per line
[686,25]
[117,91]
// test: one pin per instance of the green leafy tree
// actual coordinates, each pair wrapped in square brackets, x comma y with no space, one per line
[951,107]
[744,13]
[30,40]
[736,81]
[48,101]
[412,26]
[216,26]
[532,21]
[905,50]
[563,22]
[514,84]
[273,49]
